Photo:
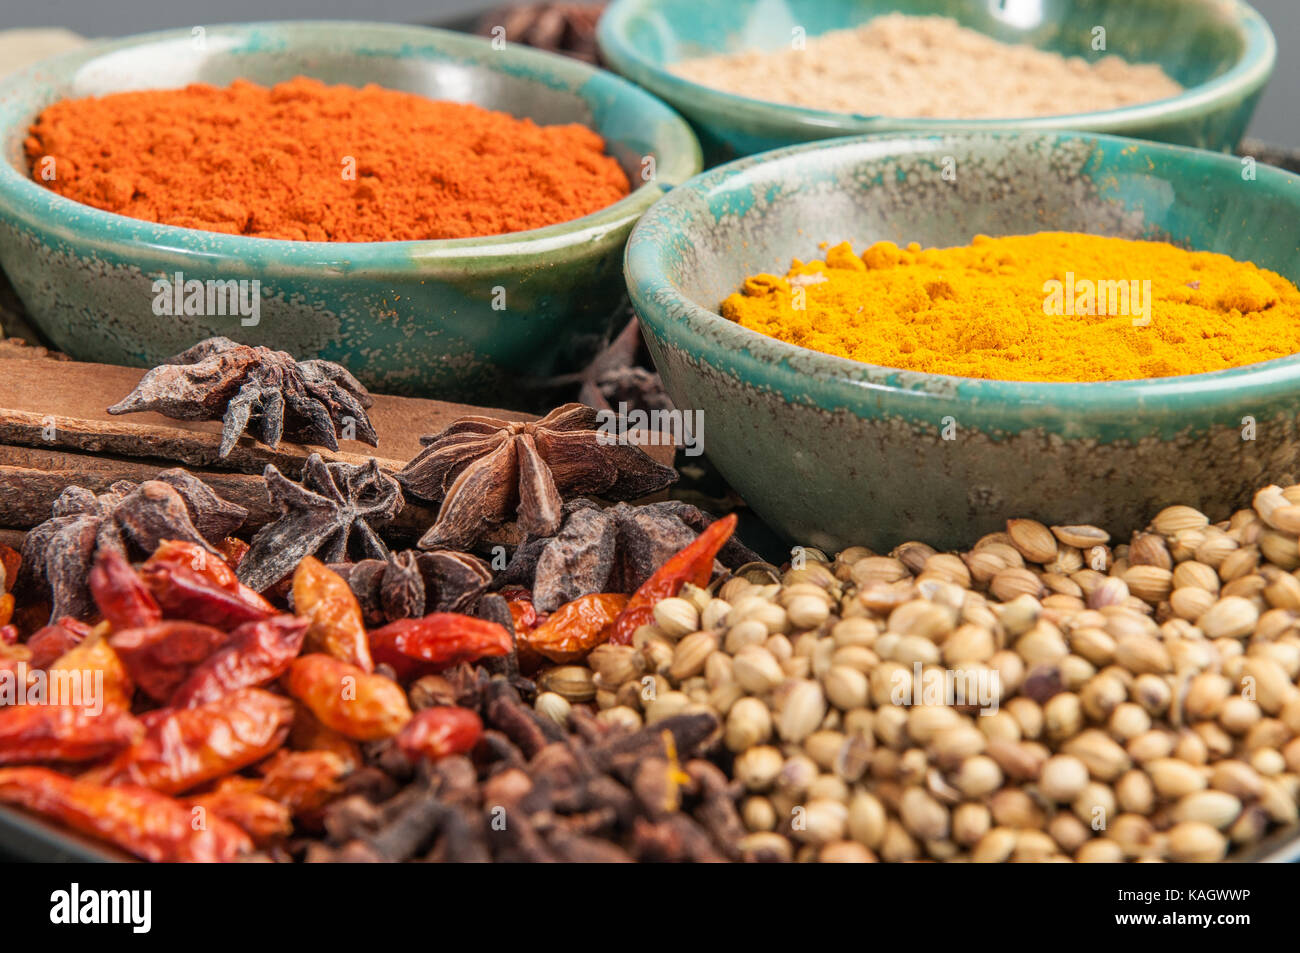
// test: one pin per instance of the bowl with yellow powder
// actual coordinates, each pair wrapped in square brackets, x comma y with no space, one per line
[753,75]
[907,338]
[443,217]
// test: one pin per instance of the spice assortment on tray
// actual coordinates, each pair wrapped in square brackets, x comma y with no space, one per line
[246,617]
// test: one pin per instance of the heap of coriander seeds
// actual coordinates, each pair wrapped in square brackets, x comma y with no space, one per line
[1135,702]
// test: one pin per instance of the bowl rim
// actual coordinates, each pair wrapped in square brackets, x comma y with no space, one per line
[51,213]
[1250,72]
[799,372]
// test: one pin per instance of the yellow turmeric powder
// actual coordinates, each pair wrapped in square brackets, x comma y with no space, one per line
[1056,306]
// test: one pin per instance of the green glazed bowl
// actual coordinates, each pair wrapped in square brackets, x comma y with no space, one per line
[833,452]
[416,317]
[1222,51]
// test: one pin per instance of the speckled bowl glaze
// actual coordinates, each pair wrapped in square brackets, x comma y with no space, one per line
[1221,50]
[406,317]
[833,452]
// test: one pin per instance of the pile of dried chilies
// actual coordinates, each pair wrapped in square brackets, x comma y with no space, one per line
[212,724]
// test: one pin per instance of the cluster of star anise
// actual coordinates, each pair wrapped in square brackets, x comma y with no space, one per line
[482,471]
[485,472]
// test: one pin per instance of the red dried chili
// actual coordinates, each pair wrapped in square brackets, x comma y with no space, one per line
[439,640]
[122,598]
[574,629]
[143,822]
[693,564]
[438,732]
[183,747]
[323,597]
[63,733]
[345,697]
[255,654]
[191,583]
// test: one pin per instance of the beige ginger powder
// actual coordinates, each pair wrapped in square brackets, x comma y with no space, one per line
[929,67]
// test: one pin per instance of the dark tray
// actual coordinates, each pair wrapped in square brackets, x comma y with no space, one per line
[25,837]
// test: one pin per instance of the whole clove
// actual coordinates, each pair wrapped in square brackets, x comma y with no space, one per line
[532,791]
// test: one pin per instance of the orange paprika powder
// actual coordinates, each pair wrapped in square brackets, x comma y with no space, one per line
[309,162]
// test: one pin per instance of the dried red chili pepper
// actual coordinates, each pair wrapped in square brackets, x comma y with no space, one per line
[63,733]
[184,747]
[122,598]
[440,639]
[190,583]
[438,732]
[574,629]
[308,734]
[56,639]
[693,564]
[187,595]
[142,822]
[303,781]
[324,597]
[522,611]
[232,550]
[13,663]
[10,561]
[15,660]
[161,657]
[263,819]
[179,554]
[345,697]
[90,656]
[256,653]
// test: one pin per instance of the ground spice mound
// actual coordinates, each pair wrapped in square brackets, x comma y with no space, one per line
[1055,306]
[931,67]
[305,161]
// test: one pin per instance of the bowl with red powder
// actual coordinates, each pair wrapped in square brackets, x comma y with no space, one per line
[444,217]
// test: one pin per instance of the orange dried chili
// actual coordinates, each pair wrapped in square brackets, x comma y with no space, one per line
[693,563]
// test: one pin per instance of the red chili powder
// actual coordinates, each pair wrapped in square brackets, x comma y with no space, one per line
[305,161]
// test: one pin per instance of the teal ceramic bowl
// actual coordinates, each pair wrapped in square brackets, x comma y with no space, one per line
[1222,51]
[417,317]
[833,452]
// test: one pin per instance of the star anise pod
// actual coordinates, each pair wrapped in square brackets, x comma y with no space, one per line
[614,549]
[130,518]
[485,470]
[331,514]
[411,584]
[615,376]
[311,401]
[568,28]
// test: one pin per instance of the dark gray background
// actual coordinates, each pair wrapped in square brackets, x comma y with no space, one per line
[1277,120]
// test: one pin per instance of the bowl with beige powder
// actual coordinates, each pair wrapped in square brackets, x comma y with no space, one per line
[952,404]
[753,75]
